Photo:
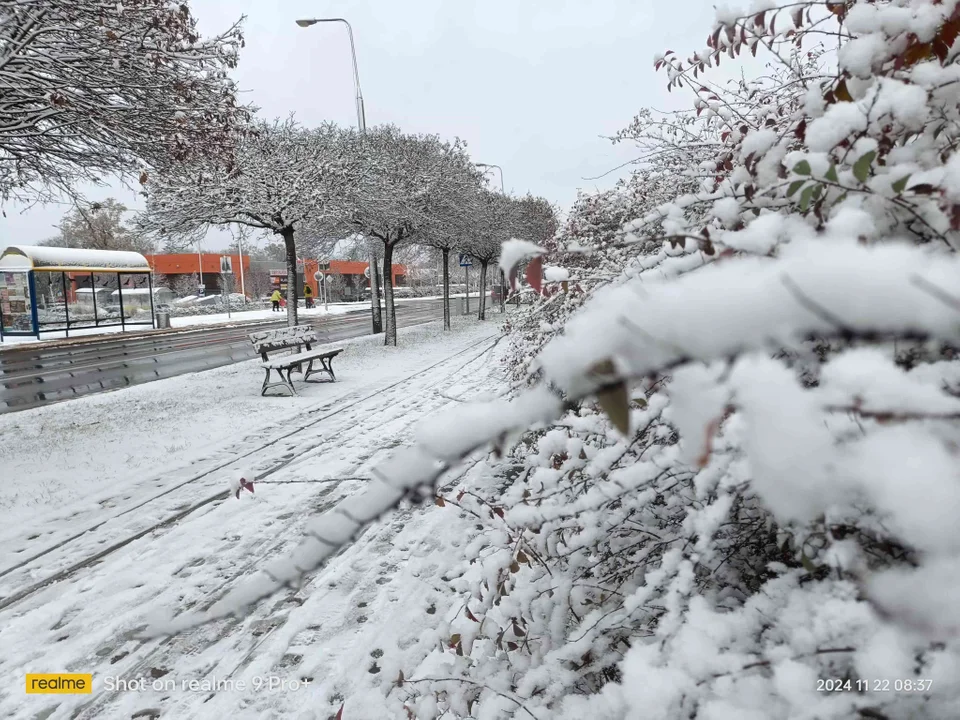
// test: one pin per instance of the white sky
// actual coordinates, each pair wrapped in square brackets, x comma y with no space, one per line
[530,85]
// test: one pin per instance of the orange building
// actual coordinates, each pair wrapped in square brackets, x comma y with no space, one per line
[208,264]
[188,264]
[350,269]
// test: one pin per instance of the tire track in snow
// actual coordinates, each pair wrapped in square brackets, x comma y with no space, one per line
[23,593]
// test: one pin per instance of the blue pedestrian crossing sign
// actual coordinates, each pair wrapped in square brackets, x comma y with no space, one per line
[465,261]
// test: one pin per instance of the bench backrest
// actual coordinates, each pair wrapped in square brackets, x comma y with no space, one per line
[267,341]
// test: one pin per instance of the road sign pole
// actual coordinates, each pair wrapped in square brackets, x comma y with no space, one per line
[466,281]
[226,271]
[243,289]
[321,277]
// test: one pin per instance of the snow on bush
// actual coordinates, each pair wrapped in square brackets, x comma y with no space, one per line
[726,483]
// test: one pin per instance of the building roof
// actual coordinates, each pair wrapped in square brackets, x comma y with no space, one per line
[30,257]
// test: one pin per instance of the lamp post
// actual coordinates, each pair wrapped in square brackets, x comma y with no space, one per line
[362,126]
[503,280]
[361,116]
[485,165]
[199,267]
[243,289]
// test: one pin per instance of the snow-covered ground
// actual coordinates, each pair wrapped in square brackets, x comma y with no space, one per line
[153,463]
[253,315]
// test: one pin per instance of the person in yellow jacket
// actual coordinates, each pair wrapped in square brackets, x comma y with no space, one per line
[308,295]
[275,299]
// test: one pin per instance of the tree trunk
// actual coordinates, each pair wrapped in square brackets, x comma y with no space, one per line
[446,288]
[291,248]
[375,294]
[390,336]
[482,314]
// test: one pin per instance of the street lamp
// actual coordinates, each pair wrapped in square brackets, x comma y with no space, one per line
[503,280]
[485,165]
[361,115]
[362,126]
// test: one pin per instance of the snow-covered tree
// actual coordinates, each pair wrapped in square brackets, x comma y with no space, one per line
[451,224]
[96,87]
[99,226]
[282,177]
[408,175]
[495,219]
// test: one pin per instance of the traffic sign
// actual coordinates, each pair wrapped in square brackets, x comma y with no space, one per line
[200,289]
[318,276]
[299,265]
[366,273]
[226,265]
[465,261]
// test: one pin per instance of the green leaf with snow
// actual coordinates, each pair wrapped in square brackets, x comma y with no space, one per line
[805,197]
[832,174]
[794,186]
[861,168]
[802,168]
[900,185]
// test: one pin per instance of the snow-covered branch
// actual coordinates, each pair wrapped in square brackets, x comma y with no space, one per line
[97,87]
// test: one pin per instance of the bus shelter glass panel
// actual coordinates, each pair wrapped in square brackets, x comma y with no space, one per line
[15,303]
[48,287]
[104,303]
[135,292]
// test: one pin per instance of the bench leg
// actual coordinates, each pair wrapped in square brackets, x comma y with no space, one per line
[285,382]
[325,368]
[328,366]
[289,382]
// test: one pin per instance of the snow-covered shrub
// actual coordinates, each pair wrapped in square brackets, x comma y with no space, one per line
[748,508]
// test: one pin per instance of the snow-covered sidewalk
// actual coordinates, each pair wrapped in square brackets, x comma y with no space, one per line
[119,500]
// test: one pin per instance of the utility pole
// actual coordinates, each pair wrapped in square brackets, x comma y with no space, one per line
[200,285]
[503,279]
[243,289]
[362,127]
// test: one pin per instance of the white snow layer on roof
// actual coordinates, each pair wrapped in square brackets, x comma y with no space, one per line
[73,258]
[143,291]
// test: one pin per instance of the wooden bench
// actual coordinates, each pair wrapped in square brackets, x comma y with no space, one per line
[299,337]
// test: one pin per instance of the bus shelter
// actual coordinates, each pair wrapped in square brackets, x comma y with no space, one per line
[51,289]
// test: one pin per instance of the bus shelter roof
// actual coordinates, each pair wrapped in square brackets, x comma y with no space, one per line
[57,259]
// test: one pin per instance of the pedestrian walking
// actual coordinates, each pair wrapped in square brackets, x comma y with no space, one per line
[308,295]
[275,299]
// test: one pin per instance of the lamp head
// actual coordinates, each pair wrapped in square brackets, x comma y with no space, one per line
[306,23]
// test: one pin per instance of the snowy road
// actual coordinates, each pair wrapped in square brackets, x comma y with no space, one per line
[35,375]
[86,564]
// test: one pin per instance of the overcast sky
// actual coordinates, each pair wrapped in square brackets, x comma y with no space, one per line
[532,86]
